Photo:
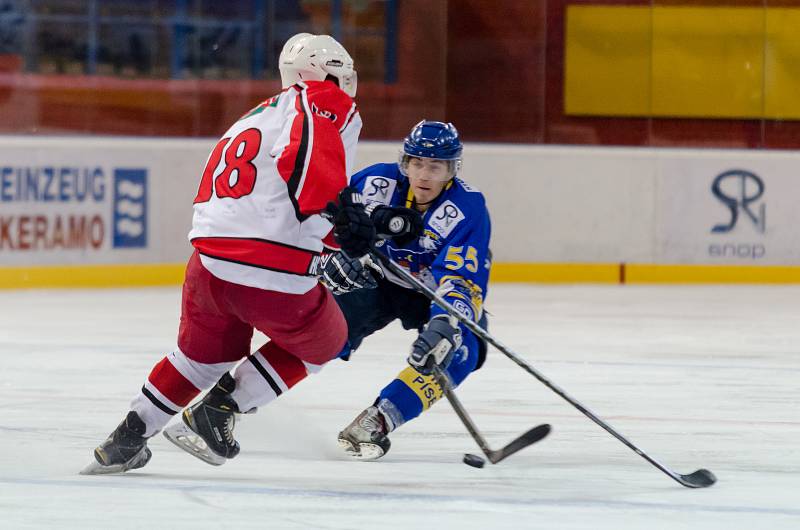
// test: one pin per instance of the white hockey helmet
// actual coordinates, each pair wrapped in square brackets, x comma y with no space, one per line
[307,57]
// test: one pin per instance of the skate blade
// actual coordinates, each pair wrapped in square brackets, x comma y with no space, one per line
[189,441]
[365,450]
[96,468]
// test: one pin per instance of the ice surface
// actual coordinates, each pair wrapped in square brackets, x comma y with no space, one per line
[696,376]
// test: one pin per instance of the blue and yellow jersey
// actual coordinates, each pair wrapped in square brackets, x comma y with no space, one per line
[452,255]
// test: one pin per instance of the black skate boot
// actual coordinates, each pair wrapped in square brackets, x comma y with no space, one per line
[207,428]
[125,449]
[365,438]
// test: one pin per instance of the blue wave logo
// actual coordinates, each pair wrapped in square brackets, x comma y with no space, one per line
[130,208]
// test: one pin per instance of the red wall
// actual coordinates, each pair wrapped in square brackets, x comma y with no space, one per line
[506,80]
[495,69]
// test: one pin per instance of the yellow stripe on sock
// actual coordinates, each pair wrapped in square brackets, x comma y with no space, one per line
[424,386]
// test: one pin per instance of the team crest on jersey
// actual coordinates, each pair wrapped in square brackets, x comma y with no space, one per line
[324,113]
[446,218]
[430,240]
[379,189]
[428,243]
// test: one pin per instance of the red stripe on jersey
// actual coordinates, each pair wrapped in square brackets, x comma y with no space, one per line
[172,384]
[331,110]
[290,369]
[259,253]
[288,159]
[292,160]
[325,174]
[322,111]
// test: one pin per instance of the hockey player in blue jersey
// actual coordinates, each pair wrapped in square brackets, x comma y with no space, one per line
[451,255]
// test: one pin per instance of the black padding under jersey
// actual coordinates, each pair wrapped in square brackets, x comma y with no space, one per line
[369,310]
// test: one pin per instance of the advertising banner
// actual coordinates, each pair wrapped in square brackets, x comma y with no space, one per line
[728,208]
[86,210]
[85,201]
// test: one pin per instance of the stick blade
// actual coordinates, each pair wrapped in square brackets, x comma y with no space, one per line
[529,438]
[702,478]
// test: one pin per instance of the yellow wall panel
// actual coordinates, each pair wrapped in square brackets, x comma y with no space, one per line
[610,273]
[556,272]
[723,274]
[607,61]
[782,68]
[683,61]
[708,61]
[92,276]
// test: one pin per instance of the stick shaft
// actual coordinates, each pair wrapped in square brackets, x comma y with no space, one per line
[482,333]
[444,382]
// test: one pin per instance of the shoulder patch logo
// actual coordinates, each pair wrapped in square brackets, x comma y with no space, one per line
[446,218]
[323,113]
[463,308]
[379,189]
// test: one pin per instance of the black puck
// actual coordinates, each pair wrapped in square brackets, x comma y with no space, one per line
[473,460]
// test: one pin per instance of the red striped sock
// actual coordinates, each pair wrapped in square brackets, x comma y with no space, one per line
[172,384]
[289,368]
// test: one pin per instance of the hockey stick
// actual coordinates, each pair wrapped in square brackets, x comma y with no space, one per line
[702,478]
[521,442]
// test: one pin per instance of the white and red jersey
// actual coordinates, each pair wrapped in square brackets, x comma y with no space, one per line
[256,215]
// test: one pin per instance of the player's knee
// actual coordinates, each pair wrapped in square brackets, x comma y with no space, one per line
[327,350]
[328,344]
[319,357]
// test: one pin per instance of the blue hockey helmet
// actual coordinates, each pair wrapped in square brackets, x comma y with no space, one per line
[435,140]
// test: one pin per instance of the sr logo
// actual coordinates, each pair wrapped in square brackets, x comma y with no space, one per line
[737,189]
[378,186]
[448,215]
[445,218]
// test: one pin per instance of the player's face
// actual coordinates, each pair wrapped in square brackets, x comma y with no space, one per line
[427,178]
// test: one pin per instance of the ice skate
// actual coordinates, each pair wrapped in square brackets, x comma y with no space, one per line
[125,449]
[365,438]
[207,428]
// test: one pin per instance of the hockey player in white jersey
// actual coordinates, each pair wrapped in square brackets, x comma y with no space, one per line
[258,233]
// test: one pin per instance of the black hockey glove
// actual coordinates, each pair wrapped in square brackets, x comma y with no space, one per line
[352,227]
[342,274]
[402,225]
[435,345]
